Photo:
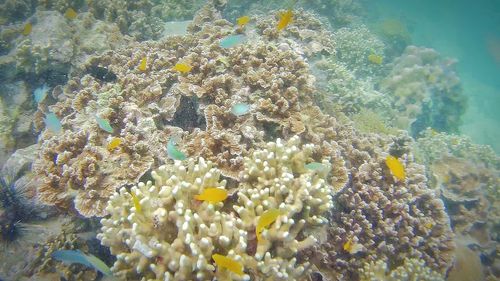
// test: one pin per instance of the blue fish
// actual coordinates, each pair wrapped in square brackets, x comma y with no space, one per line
[52,122]
[240,109]
[72,256]
[41,93]
[104,124]
[173,152]
[232,40]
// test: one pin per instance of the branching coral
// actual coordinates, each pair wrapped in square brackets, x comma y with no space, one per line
[412,269]
[384,218]
[160,231]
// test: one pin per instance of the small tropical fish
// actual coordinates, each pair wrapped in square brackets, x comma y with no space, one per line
[52,122]
[376,59]
[232,40]
[212,195]
[315,166]
[143,64]
[352,247]
[182,67]
[104,124]
[428,225]
[240,109]
[173,152]
[41,93]
[114,143]
[285,19]
[137,203]
[228,263]
[396,167]
[75,256]
[265,220]
[27,29]
[70,14]
[242,21]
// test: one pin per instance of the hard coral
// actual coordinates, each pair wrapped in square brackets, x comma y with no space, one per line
[160,231]
[386,219]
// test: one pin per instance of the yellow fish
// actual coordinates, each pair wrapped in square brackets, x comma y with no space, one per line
[212,195]
[352,247]
[376,59]
[396,167]
[182,67]
[70,14]
[27,29]
[137,203]
[228,263]
[242,21]
[285,19]
[114,143]
[265,220]
[143,65]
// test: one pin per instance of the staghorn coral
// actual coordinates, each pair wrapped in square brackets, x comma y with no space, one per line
[412,269]
[425,91]
[166,233]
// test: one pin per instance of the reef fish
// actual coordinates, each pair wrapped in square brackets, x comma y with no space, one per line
[352,247]
[173,152]
[41,93]
[285,19]
[265,220]
[104,124]
[143,64]
[70,14]
[240,109]
[376,59]
[212,195]
[27,29]
[315,166]
[52,122]
[183,67]
[242,21]
[228,263]
[114,143]
[72,256]
[232,40]
[137,203]
[396,167]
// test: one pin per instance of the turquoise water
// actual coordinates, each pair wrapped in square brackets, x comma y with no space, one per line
[249,140]
[468,32]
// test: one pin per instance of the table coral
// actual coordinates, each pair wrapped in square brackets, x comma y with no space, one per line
[165,233]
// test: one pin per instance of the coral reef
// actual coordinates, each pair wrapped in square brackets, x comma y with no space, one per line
[468,178]
[146,108]
[160,231]
[57,45]
[425,91]
[412,269]
[385,219]
[354,45]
